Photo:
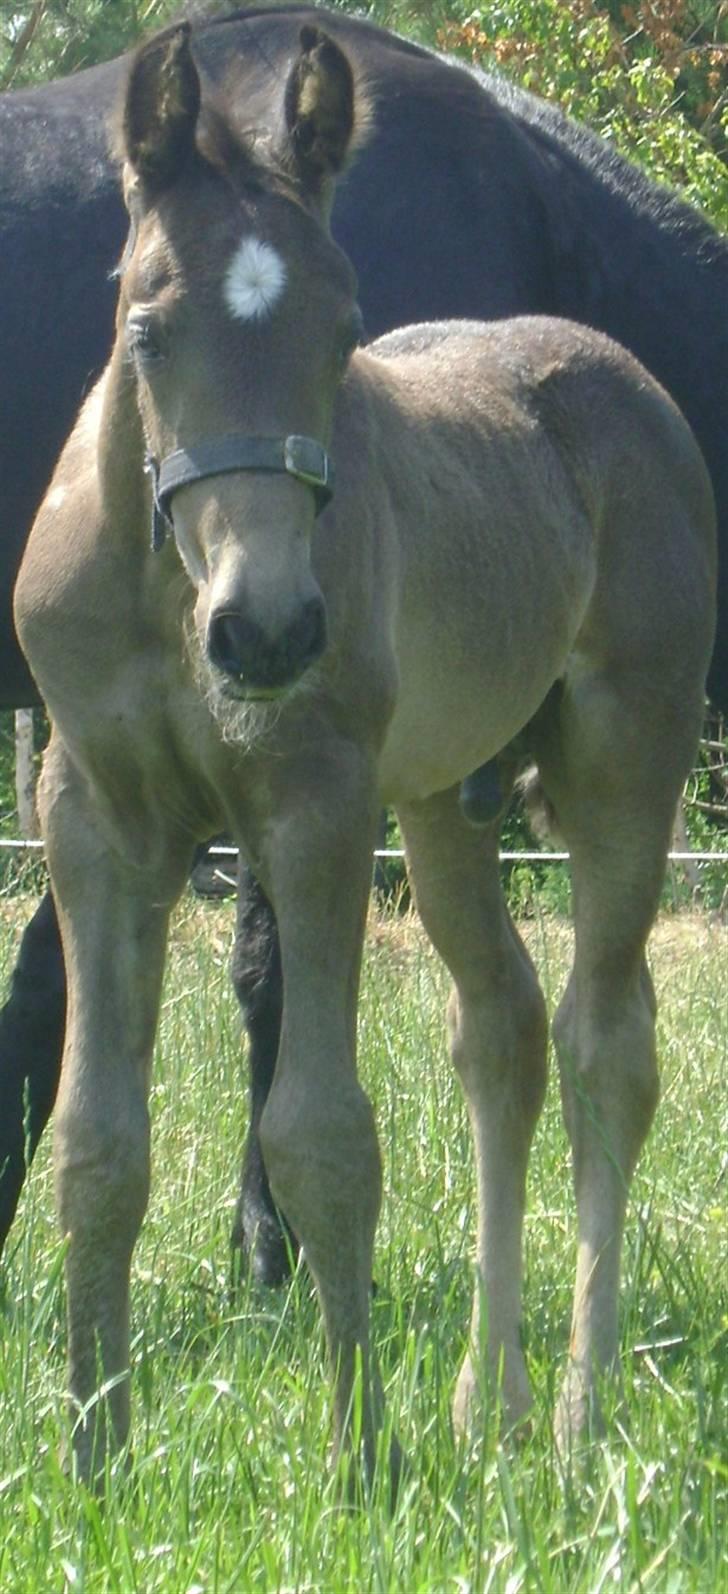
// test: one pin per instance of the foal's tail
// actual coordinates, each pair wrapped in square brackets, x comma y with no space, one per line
[539,809]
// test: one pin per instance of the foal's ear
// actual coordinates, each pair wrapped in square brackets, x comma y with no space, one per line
[319,112]
[161,108]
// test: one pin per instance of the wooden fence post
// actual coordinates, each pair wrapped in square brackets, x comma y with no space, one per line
[681,843]
[25,774]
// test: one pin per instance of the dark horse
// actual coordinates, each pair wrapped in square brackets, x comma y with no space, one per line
[487,203]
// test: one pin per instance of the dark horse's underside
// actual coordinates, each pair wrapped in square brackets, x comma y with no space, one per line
[487,203]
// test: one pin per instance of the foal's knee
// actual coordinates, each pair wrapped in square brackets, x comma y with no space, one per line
[498,1035]
[605,1044]
[102,1173]
[322,1159]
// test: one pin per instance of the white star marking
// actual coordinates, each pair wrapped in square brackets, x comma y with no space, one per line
[254,280]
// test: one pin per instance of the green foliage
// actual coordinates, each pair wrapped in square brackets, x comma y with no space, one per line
[52,37]
[651,75]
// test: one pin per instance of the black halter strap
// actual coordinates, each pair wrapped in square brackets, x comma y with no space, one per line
[301,457]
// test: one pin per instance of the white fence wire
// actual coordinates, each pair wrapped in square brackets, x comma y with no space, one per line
[219,851]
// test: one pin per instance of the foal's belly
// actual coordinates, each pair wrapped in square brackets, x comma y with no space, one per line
[439,733]
[477,648]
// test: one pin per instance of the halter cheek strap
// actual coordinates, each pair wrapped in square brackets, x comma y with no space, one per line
[301,457]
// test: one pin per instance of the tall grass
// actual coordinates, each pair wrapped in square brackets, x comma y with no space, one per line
[229,1487]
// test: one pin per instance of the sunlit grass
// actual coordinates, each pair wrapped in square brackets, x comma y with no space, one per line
[229,1488]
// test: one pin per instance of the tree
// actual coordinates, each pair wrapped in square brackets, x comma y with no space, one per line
[50,38]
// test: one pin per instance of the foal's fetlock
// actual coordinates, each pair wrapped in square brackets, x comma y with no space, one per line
[579,1419]
[362,1482]
[368,1458]
[97,1439]
[504,1394]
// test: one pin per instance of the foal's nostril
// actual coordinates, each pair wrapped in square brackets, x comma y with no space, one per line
[230,642]
[247,654]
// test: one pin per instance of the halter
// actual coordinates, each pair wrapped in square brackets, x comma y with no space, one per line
[301,457]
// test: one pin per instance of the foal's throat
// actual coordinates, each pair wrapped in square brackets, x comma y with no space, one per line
[121,451]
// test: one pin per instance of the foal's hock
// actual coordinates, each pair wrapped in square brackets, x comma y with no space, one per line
[278,581]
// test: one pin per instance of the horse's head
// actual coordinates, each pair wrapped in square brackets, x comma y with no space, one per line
[238,313]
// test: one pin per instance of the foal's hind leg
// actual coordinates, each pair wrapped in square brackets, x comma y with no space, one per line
[612,759]
[497,1030]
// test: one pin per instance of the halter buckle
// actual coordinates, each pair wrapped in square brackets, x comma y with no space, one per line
[308,460]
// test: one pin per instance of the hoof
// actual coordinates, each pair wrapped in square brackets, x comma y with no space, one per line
[259,1241]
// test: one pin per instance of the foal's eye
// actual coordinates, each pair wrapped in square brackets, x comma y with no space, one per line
[144,340]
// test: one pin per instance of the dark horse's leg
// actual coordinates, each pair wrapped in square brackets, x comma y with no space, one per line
[32,1025]
[256,969]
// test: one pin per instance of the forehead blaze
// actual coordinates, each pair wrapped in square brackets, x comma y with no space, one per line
[254,281]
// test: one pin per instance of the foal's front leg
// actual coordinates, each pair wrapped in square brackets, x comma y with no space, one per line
[113,919]
[317,1130]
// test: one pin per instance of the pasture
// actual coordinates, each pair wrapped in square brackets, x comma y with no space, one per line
[229,1490]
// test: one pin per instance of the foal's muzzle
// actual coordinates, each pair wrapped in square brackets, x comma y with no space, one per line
[257,664]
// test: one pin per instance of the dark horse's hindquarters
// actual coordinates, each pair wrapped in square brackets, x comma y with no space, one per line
[487,203]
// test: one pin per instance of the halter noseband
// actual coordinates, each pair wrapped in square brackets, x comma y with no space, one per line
[301,457]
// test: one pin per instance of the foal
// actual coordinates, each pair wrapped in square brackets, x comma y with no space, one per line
[520,541]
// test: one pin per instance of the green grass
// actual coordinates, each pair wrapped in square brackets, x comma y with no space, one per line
[229,1489]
